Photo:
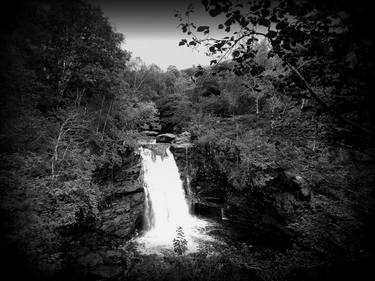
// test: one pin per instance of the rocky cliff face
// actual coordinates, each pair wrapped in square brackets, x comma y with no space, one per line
[122,202]
[97,252]
[261,217]
[202,180]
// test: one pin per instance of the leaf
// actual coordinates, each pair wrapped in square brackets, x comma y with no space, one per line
[202,28]
[215,12]
[264,22]
[273,18]
[213,62]
[198,73]
[271,55]
[265,12]
[221,26]
[271,34]
[236,53]
[182,42]
[281,25]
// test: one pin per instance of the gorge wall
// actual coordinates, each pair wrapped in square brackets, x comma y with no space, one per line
[220,189]
[122,201]
[96,252]
[310,215]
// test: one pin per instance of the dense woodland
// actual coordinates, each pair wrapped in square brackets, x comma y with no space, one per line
[292,95]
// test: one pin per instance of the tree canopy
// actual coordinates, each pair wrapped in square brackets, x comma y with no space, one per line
[324,47]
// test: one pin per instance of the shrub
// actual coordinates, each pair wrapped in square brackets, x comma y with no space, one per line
[180,243]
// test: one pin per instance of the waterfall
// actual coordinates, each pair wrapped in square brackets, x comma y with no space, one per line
[166,205]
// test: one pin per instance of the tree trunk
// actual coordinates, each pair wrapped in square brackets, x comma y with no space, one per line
[106,119]
[55,156]
[100,113]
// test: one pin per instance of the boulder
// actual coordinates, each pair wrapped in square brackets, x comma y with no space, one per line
[298,183]
[166,138]
[150,133]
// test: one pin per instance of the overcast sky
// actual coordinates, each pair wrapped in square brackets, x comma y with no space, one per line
[151,32]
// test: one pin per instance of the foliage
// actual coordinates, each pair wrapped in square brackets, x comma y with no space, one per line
[180,243]
[302,38]
[175,111]
[73,103]
[211,262]
[66,113]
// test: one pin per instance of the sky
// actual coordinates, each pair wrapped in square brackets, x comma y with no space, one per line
[151,32]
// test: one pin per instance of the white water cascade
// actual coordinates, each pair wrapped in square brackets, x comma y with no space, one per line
[166,205]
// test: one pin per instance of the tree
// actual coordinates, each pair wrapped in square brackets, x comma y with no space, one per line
[180,243]
[62,104]
[173,69]
[321,46]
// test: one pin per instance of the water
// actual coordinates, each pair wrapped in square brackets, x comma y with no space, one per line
[166,205]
